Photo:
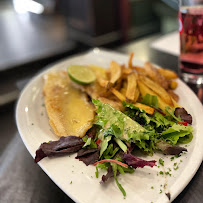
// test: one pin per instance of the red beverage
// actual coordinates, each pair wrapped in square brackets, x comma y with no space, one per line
[191,38]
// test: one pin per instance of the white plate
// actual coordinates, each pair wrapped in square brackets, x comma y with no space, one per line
[142,186]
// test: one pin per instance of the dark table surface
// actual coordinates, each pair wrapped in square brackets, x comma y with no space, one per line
[28,42]
[23,181]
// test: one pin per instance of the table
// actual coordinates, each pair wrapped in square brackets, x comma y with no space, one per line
[21,180]
[28,42]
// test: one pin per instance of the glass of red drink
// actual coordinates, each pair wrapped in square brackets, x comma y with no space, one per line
[191,40]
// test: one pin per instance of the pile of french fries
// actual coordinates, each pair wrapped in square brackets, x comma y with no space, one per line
[132,82]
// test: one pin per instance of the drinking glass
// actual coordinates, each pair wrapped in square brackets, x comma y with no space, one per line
[191,40]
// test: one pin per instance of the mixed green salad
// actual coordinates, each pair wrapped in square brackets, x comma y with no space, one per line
[115,135]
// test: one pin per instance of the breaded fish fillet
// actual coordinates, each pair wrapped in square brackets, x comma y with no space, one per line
[68,109]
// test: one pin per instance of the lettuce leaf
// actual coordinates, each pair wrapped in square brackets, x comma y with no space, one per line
[119,125]
[104,144]
[167,127]
[89,142]
[137,127]
[115,169]
[171,112]
[136,162]
[175,132]
[136,114]
[150,100]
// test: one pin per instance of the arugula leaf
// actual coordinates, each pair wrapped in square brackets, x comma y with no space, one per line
[113,153]
[104,144]
[110,152]
[121,144]
[129,170]
[115,168]
[89,142]
[120,169]
[104,165]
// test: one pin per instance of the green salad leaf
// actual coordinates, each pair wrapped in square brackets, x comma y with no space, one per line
[89,142]
[104,144]
[122,127]
[136,126]
[115,168]
[175,132]
[117,131]
[171,113]
[150,100]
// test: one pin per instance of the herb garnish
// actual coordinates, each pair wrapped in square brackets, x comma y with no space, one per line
[161,161]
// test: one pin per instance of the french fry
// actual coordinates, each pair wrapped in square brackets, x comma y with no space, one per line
[140,70]
[131,87]
[124,87]
[127,83]
[118,94]
[115,104]
[148,109]
[173,95]
[118,84]
[137,94]
[173,85]
[158,90]
[168,74]
[116,72]
[104,93]
[123,67]
[154,74]
[149,70]
[123,91]
[108,74]
[145,90]
[127,71]
[130,65]
[104,83]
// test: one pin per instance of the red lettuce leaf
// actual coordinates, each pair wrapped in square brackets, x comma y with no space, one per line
[64,145]
[92,132]
[88,156]
[169,149]
[183,115]
[108,175]
[136,162]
